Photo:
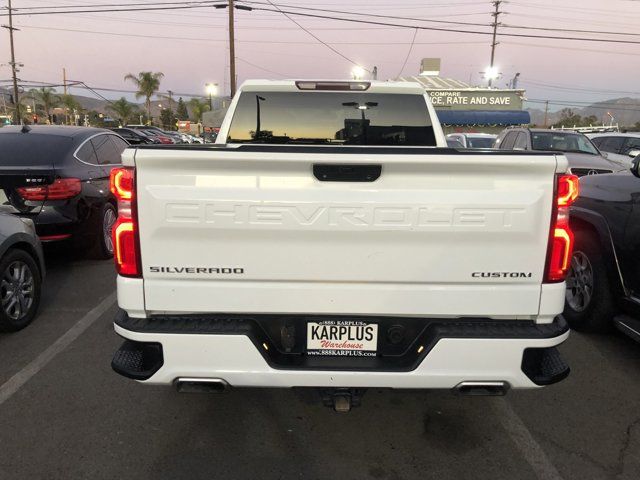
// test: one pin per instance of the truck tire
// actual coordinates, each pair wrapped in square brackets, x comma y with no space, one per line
[20,288]
[589,305]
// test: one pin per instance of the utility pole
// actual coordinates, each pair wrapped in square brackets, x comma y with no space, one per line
[170,100]
[495,14]
[13,64]
[232,50]
[64,84]
[546,113]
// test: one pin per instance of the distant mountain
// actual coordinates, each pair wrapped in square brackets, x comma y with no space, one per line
[89,103]
[625,112]
[537,117]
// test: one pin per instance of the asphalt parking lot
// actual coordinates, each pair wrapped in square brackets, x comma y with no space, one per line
[65,415]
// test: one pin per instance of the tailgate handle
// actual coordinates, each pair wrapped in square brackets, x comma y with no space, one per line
[346,172]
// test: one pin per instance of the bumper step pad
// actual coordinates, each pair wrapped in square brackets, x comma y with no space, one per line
[544,366]
[137,360]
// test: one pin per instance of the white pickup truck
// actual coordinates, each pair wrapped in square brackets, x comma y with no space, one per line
[330,239]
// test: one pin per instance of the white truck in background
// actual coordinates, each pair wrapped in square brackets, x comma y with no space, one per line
[330,239]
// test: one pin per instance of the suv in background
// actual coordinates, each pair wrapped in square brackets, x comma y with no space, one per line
[584,158]
[622,147]
[474,140]
[175,137]
[603,284]
[134,137]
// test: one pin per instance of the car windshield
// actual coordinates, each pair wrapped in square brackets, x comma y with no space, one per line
[480,142]
[562,142]
[319,118]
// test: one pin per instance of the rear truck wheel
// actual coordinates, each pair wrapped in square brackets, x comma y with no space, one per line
[20,288]
[588,303]
[103,246]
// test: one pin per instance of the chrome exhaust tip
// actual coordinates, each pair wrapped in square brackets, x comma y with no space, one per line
[481,388]
[201,385]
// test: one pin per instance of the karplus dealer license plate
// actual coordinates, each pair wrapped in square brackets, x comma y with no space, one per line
[342,338]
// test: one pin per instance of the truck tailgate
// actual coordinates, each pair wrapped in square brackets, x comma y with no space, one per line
[254,231]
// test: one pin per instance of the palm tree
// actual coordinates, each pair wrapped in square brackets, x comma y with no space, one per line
[47,97]
[123,110]
[70,104]
[198,107]
[147,83]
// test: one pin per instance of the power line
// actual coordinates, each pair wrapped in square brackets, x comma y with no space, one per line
[556,47]
[39,83]
[262,68]
[585,105]
[210,3]
[210,40]
[393,17]
[318,38]
[574,88]
[404,64]
[477,24]
[569,30]
[441,29]
[137,9]
[101,5]
[134,35]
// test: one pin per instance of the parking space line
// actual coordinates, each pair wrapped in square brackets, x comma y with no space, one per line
[12,385]
[529,448]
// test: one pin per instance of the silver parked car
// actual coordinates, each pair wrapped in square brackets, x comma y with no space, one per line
[584,157]
[21,272]
[622,147]
[474,140]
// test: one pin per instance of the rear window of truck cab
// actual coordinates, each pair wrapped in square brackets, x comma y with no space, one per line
[325,118]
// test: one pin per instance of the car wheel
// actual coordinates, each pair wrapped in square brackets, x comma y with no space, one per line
[589,303]
[103,247]
[19,290]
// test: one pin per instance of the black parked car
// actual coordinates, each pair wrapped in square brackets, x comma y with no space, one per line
[21,272]
[135,137]
[603,285]
[61,182]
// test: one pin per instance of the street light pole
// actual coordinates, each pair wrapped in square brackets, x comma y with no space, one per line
[170,100]
[16,99]
[258,119]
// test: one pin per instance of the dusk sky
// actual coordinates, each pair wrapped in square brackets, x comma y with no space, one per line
[190,46]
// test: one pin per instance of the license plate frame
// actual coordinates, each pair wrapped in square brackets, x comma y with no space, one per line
[342,338]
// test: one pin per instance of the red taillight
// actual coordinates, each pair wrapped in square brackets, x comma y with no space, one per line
[60,189]
[568,187]
[561,236]
[125,232]
[121,183]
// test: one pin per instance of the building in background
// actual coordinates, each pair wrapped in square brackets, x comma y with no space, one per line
[462,107]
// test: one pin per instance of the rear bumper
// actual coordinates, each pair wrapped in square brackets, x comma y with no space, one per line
[162,349]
